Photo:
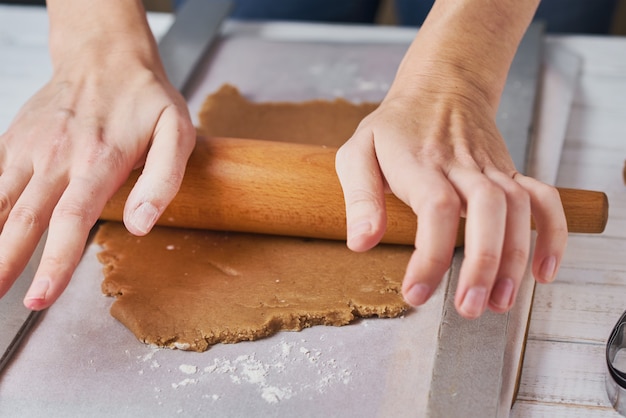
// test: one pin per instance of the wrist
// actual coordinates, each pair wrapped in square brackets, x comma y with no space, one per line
[467,46]
[96,32]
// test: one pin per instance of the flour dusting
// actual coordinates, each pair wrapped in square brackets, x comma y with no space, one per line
[188,369]
[285,370]
[184,382]
[268,376]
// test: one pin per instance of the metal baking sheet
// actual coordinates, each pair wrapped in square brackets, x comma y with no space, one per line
[79,361]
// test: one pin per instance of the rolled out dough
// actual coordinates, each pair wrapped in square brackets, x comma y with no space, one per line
[227,113]
[190,289]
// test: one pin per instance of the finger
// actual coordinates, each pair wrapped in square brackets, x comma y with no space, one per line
[25,225]
[438,208]
[363,190]
[516,247]
[163,172]
[72,219]
[551,226]
[12,183]
[484,236]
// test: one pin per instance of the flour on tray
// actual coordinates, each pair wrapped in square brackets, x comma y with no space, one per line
[269,375]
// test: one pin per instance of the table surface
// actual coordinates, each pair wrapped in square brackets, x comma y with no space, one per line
[564,364]
[564,367]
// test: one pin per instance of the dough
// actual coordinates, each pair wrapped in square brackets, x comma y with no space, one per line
[190,289]
[227,113]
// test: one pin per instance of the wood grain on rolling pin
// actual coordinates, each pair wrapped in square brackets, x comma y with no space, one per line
[292,189]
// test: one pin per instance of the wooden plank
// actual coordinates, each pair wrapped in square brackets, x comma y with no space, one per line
[596,126]
[597,91]
[580,313]
[572,275]
[564,366]
[561,372]
[579,170]
[523,409]
[595,253]
[601,55]
[601,167]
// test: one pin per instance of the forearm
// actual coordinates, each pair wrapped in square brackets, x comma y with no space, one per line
[96,30]
[467,42]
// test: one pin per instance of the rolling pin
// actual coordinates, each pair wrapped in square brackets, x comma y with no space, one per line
[291,189]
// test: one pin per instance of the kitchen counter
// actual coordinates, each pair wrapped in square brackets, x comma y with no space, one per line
[563,370]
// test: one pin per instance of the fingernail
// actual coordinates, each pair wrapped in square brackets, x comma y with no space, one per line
[474,302]
[144,217]
[37,292]
[417,294]
[547,269]
[502,293]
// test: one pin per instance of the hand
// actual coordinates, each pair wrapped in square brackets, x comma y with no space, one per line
[72,146]
[438,149]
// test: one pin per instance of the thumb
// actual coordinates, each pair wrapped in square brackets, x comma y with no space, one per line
[163,172]
[363,189]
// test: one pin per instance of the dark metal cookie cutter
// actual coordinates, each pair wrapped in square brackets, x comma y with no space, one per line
[616,378]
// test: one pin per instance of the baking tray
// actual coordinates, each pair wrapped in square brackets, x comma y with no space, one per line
[79,361]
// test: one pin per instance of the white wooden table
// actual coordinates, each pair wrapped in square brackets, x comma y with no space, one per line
[564,366]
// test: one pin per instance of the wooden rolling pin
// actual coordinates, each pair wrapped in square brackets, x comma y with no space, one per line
[292,189]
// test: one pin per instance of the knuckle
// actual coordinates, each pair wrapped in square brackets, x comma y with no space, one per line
[187,130]
[27,216]
[170,184]
[489,191]
[551,205]
[363,200]
[361,196]
[7,275]
[485,260]
[343,156]
[100,154]
[437,263]
[57,263]
[83,215]
[559,233]
[517,255]
[5,203]
[518,196]
[548,193]
[444,202]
